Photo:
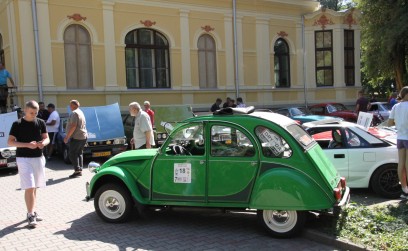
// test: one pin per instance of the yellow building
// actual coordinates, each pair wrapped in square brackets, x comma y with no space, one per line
[269,52]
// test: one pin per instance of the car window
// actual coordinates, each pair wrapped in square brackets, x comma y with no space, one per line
[296,112]
[228,141]
[331,109]
[300,135]
[374,107]
[369,138]
[354,140]
[273,145]
[187,140]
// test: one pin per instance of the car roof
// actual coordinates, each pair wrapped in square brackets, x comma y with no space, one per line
[330,122]
[247,111]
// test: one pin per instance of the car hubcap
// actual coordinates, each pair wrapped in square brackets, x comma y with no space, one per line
[280,221]
[389,181]
[112,204]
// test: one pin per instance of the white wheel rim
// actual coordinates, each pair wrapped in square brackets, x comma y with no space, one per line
[112,204]
[280,221]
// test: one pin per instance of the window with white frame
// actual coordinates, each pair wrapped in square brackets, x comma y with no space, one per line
[281,63]
[147,59]
[324,58]
[207,63]
[78,57]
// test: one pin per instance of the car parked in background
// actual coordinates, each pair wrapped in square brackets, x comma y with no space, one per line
[235,159]
[301,114]
[381,108]
[340,110]
[7,153]
[368,159]
[163,116]
[106,136]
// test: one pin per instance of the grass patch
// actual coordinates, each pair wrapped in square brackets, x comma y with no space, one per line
[377,228]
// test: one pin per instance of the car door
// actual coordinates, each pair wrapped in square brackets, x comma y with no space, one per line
[232,163]
[179,171]
[339,155]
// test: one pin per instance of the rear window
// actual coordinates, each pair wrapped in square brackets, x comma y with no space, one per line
[300,135]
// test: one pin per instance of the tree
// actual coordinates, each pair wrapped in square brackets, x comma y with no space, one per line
[336,5]
[385,40]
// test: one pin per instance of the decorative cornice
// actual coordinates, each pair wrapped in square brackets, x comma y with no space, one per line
[207,28]
[349,19]
[76,17]
[282,34]
[323,21]
[147,23]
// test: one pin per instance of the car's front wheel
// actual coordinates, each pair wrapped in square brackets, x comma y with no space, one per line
[113,203]
[282,223]
[385,181]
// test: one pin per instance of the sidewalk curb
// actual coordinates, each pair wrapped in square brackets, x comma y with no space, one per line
[332,241]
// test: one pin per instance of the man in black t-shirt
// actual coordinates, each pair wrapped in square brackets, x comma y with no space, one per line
[43,113]
[29,135]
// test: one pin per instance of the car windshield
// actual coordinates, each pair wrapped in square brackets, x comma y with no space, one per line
[338,107]
[300,135]
[297,112]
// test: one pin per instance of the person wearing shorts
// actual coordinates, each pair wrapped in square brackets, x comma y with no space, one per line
[29,135]
[399,118]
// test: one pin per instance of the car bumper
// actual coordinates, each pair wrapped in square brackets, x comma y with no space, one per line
[88,191]
[342,203]
[104,151]
[8,163]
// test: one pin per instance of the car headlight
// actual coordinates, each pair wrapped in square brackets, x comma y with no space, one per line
[164,135]
[92,166]
[159,136]
[6,153]
[119,141]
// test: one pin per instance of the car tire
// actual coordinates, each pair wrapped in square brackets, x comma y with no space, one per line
[113,203]
[282,223]
[385,181]
[65,155]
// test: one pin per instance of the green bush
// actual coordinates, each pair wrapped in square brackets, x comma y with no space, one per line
[377,228]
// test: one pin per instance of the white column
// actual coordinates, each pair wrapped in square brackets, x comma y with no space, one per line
[109,40]
[240,51]
[310,58]
[13,42]
[338,57]
[298,55]
[185,49]
[27,45]
[263,52]
[45,43]
[357,59]
[229,51]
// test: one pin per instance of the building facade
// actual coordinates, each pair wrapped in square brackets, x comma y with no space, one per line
[183,52]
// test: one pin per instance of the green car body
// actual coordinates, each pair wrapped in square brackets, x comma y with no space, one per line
[236,159]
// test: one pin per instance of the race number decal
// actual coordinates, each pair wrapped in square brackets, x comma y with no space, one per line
[274,141]
[182,173]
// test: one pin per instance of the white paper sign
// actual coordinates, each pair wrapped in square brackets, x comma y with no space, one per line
[274,141]
[364,119]
[182,173]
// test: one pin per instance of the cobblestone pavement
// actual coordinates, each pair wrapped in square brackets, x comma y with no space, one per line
[70,223]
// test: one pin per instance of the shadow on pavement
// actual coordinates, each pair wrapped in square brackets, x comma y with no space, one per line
[14,228]
[164,230]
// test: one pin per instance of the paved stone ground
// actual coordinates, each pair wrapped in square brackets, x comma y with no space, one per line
[70,223]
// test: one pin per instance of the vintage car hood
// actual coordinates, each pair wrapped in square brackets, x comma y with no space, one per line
[133,155]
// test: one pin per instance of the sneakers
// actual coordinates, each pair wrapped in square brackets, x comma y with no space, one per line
[404,195]
[37,217]
[32,220]
[75,174]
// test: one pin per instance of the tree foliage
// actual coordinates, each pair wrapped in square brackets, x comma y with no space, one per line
[336,5]
[384,40]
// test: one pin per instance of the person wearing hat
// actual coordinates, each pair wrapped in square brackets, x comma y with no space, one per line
[77,136]
[149,111]
[52,124]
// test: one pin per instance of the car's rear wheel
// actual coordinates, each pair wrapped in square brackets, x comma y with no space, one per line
[385,181]
[282,223]
[113,203]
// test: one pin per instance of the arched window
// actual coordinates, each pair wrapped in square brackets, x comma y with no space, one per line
[282,64]
[78,57]
[207,63]
[147,59]
[1,50]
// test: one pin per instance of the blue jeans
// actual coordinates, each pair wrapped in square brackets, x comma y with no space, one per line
[76,149]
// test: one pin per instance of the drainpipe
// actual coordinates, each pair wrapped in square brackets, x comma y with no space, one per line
[234,23]
[304,60]
[37,49]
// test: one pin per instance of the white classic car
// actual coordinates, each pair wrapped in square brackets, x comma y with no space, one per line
[368,159]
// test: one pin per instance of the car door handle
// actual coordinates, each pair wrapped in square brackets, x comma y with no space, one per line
[254,163]
[339,156]
[202,162]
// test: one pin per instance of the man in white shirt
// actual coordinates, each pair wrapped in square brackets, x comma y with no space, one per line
[52,124]
[143,132]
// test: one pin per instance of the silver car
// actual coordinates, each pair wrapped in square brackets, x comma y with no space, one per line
[381,108]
